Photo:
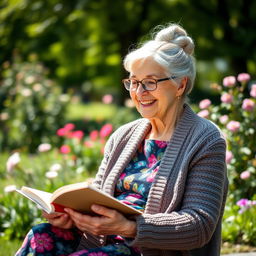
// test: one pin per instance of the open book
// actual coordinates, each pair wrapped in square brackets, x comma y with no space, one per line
[78,196]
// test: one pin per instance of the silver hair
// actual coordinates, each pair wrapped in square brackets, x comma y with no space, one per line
[171,48]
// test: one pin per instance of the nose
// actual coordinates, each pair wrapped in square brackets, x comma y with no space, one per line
[140,89]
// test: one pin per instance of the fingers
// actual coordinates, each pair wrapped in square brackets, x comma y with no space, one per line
[51,215]
[61,220]
[101,210]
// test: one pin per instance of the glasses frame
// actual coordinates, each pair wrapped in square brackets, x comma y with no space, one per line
[143,85]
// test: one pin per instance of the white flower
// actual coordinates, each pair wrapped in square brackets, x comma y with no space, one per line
[51,174]
[12,161]
[26,92]
[37,87]
[30,79]
[55,167]
[44,147]
[10,188]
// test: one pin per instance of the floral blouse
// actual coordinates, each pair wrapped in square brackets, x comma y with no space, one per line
[135,181]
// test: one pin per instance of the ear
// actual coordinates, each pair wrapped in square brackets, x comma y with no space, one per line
[182,87]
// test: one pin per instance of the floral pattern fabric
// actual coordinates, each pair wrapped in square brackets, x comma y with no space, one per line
[134,183]
[132,188]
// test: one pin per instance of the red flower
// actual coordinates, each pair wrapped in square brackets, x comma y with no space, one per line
[65,149]
[94,135]
[61,132]
[106,130]
[77,134]
[69,127]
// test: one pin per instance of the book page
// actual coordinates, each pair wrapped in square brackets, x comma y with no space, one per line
[80,197]
[39,197]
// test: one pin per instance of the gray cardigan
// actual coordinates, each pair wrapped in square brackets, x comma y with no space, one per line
[186,201]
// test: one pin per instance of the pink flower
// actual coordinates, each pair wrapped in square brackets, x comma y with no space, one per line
[224,119]
[248,105]
[226,98]
[243,77]
[61,132]
[245,175]
[94,135]
[161,144]
[69,127]
[229,81]
[65,149]
[107,99]
[204,113]
[204,103]
[152,160]
[97,254]
[77,134]
[63,233]
[44,147]
[88,144]
[243,202]
[41,242]
[78,253]
[233,126]
[12,161]
[229,157]
[105,130]
[253,91]
[152,175]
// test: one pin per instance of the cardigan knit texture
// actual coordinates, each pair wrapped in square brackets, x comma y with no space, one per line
[186,201]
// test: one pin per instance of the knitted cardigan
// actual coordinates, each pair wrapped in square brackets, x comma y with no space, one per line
[186,201]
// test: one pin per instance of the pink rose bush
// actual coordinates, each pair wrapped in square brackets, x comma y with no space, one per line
[236,117]
[81,151]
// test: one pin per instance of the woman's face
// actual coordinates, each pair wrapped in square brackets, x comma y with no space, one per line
[158,104]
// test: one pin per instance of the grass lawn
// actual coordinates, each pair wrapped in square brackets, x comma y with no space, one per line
[8,248]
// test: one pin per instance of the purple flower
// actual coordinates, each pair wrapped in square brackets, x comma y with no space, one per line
[204,103]
[243,202]
[229,81]
[243,77]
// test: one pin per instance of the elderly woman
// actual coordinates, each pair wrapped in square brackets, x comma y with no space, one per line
[170,164]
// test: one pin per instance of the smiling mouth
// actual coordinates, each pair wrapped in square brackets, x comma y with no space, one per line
[147,102]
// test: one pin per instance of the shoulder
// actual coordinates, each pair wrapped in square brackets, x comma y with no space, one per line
[202,126]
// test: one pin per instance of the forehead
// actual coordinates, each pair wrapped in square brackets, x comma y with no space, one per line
[146,67]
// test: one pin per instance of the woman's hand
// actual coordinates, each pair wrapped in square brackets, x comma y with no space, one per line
[60,220]
[110,222]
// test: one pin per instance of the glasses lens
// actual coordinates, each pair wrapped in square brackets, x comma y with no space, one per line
[149,83]
[130,84]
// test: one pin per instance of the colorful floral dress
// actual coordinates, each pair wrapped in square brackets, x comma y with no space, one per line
[132,188]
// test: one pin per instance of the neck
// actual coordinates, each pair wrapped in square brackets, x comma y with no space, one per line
[163,129]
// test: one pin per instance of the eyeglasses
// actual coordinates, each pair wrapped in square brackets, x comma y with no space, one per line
[148,84]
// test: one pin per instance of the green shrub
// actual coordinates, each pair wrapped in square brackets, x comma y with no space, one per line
[235,115]
[32,106]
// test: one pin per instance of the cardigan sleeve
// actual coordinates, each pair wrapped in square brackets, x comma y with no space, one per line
[193,225]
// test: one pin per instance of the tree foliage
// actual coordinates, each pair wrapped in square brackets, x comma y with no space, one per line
[83,41]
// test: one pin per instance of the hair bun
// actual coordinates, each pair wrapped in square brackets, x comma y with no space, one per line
[175,34]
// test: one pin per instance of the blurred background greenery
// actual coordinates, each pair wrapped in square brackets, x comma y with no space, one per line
[83,42]
[61,63]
